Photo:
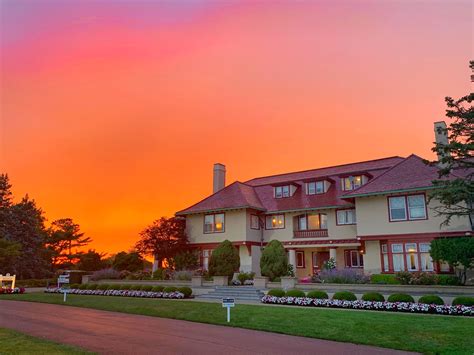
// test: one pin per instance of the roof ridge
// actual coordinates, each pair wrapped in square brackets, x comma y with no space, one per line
[381,175]
[254,192]
[326,167]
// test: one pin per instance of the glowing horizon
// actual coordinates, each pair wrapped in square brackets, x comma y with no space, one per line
[114,113]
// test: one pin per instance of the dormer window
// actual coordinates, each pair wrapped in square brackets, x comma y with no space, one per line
[353,182]
[282,191]
[315,187]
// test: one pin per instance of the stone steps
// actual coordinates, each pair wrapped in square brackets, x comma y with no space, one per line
[243,293]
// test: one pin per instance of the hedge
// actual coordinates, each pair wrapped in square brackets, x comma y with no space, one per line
[431,299]
[344,296]
[400,297]
[373,296]
[277,292]
[317,295]
[295,293]
[463,301]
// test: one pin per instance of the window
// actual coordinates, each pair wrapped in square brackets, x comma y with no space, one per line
[205,259]
[254,222]
[352,182]
[403,208]
[397,257]
[353,258]
[425,257]
[316,187]
[386,265]
[214,223]
[411,256]
[416,207]
[300,259]
[346,217]
[282,191]
[276,221]
[312,221]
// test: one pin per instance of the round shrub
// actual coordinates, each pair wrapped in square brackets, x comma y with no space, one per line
[400,297]
[317,295]
[276,292]
[146,288]
[295,293]
[186,291]
[92,286]
[102,287]
[463,301]
[170,289]
[224,260]
[373,296]
[136,288]
[431,299]
[157,288]
[274,262]
[344,296]
[125,287]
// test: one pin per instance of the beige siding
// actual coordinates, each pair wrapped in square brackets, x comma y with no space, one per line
[235,228]
[254,235]
[372,219]
[372,262]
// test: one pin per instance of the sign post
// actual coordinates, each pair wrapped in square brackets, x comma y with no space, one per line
[228,303]
[64,280]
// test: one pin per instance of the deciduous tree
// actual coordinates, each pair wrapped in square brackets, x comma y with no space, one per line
[457,252]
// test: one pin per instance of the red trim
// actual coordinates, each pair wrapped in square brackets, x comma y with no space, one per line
[275,214]
[214,245]
[413,236]
[304,262]
[348,258]
[345,224]
[311,233]
[332,241]
[407,210]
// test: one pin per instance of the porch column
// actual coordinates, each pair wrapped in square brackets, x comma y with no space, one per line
[332,253]
[292,258]
[155,264]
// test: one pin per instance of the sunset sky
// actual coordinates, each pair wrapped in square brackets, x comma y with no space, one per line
[113,112]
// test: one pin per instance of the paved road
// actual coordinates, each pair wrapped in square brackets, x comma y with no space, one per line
[118,333]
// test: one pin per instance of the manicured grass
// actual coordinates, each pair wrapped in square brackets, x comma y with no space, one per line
[421,333]
[12,342]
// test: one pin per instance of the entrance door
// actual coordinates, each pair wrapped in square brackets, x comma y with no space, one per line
[319,258]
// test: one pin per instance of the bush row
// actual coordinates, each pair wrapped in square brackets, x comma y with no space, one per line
[415,278]
[187,291]
[370,296]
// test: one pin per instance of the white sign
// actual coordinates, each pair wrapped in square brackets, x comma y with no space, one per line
[63,279]
[228,303]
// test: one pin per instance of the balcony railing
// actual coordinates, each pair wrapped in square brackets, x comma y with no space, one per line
[315,233]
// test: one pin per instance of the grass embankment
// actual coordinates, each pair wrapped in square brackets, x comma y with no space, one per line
[12,342]
[421,333]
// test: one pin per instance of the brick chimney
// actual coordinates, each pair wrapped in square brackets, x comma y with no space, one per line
[218,181]
[441,137]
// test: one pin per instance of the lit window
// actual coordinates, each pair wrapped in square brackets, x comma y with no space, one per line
[214,223]
[346,217]
[282,191]
[276,221]
[316,187]
[411,256]
[386,265]
[416,207]
[397,257]
[254,222]
[352,182]
[397,207]
[426,260]
[300,259]
[312,221]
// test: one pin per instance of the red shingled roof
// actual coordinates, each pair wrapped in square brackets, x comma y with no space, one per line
[410,174]
[258,193]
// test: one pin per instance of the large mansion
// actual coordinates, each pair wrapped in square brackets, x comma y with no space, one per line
[372,215]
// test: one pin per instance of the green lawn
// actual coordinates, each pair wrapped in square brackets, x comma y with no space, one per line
[422,333]
[12,342]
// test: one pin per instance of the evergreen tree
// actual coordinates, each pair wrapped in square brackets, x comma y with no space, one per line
[274,262]
[224,260]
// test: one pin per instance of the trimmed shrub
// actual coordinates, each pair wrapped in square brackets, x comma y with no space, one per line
[125,287]
[373,296]
[135,287]
[170,289]
[400,297]
[105,274]
[344,276]
[159,274]
[186,291]
[244,276]
[92,286]
[146,287]
[74,285]
[423,278]
[384,279]
[224,260]
[157,288]
[114,287]
[295,293]
[276,292]
[431,299]
[102,287]
[448,280]
[404,277]
[274,262]
[317,295]
[344,296]
[82,287]
[463,301]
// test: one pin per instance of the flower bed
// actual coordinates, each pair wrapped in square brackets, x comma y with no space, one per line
[375,306]
[12,290]
[123,293]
